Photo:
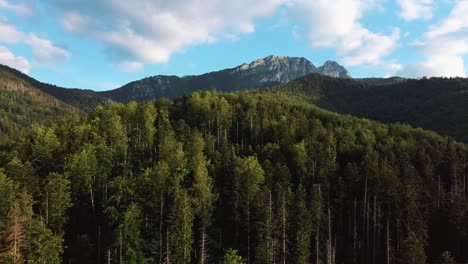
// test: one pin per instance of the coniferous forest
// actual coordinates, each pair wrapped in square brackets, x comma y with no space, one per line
[245,177]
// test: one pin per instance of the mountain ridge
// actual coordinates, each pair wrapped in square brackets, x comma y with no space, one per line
[260,73]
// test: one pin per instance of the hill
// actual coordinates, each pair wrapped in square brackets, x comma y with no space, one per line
[437,104]
[22,105]
[78,98]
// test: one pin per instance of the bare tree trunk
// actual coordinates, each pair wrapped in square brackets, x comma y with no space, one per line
[270,228]
[161,227]
[367,233]
[364,221]
[464,177]
[168,255]
[91,194]
[438,192]
[284,228]
[354,232]
[317,237]
[203,253]
[120,246]
[237,131]
[375,229]
[108,256]
[248,230]
[317,244]
[398,237]
[251,130]
[388,242]
[99,243]
[378,227]
[329,242]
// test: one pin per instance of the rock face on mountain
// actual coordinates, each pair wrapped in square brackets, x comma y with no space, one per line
[275,69]
[266,72]
[333,69]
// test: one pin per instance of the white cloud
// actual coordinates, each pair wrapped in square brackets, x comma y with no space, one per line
[338,26]
[150,31]
[416,9]
[44,51]
[443,46]
[9,59]
[20,9]
[456,23]
[130,66]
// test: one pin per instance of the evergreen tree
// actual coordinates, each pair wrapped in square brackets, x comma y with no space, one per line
[249,176]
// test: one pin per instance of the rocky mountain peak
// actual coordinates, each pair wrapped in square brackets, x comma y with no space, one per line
[276,69]
[333,69]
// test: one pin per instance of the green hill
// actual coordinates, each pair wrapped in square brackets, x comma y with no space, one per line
[22,105]
[437,104]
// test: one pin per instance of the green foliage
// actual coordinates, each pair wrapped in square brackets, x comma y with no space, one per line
[302,227]
[436,103]
[413,249]
[231,257]
[44,246]
[57,201]
[263,172]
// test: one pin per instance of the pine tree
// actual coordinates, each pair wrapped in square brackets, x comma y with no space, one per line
[57,201]
[303,228]
[180,223]
[249,176]
[203,195]
[413,251]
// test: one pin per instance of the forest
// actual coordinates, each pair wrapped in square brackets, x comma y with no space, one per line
[244,177]
[437,104]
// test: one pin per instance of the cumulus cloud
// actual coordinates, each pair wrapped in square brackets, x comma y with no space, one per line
[150,31]
[443,46]
[9,59]
[338,26]
[416,9]
[44,51]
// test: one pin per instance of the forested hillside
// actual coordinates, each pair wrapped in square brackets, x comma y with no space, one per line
[437,104]
[250,177]
[78,98]
[22,106]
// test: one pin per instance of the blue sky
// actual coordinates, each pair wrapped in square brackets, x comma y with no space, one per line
[104,44]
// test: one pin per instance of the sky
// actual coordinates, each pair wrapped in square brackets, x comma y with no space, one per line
[105,44]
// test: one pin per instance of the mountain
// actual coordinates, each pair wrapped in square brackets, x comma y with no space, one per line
[333,69]
[437,104]
[261,73]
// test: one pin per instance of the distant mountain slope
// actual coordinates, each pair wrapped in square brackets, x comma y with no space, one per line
[22,105]
[261,73]
[79,98]
[438,104]
[266,72]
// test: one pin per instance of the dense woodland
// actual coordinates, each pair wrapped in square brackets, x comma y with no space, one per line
[437,104]
[247,177]
[22,105]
